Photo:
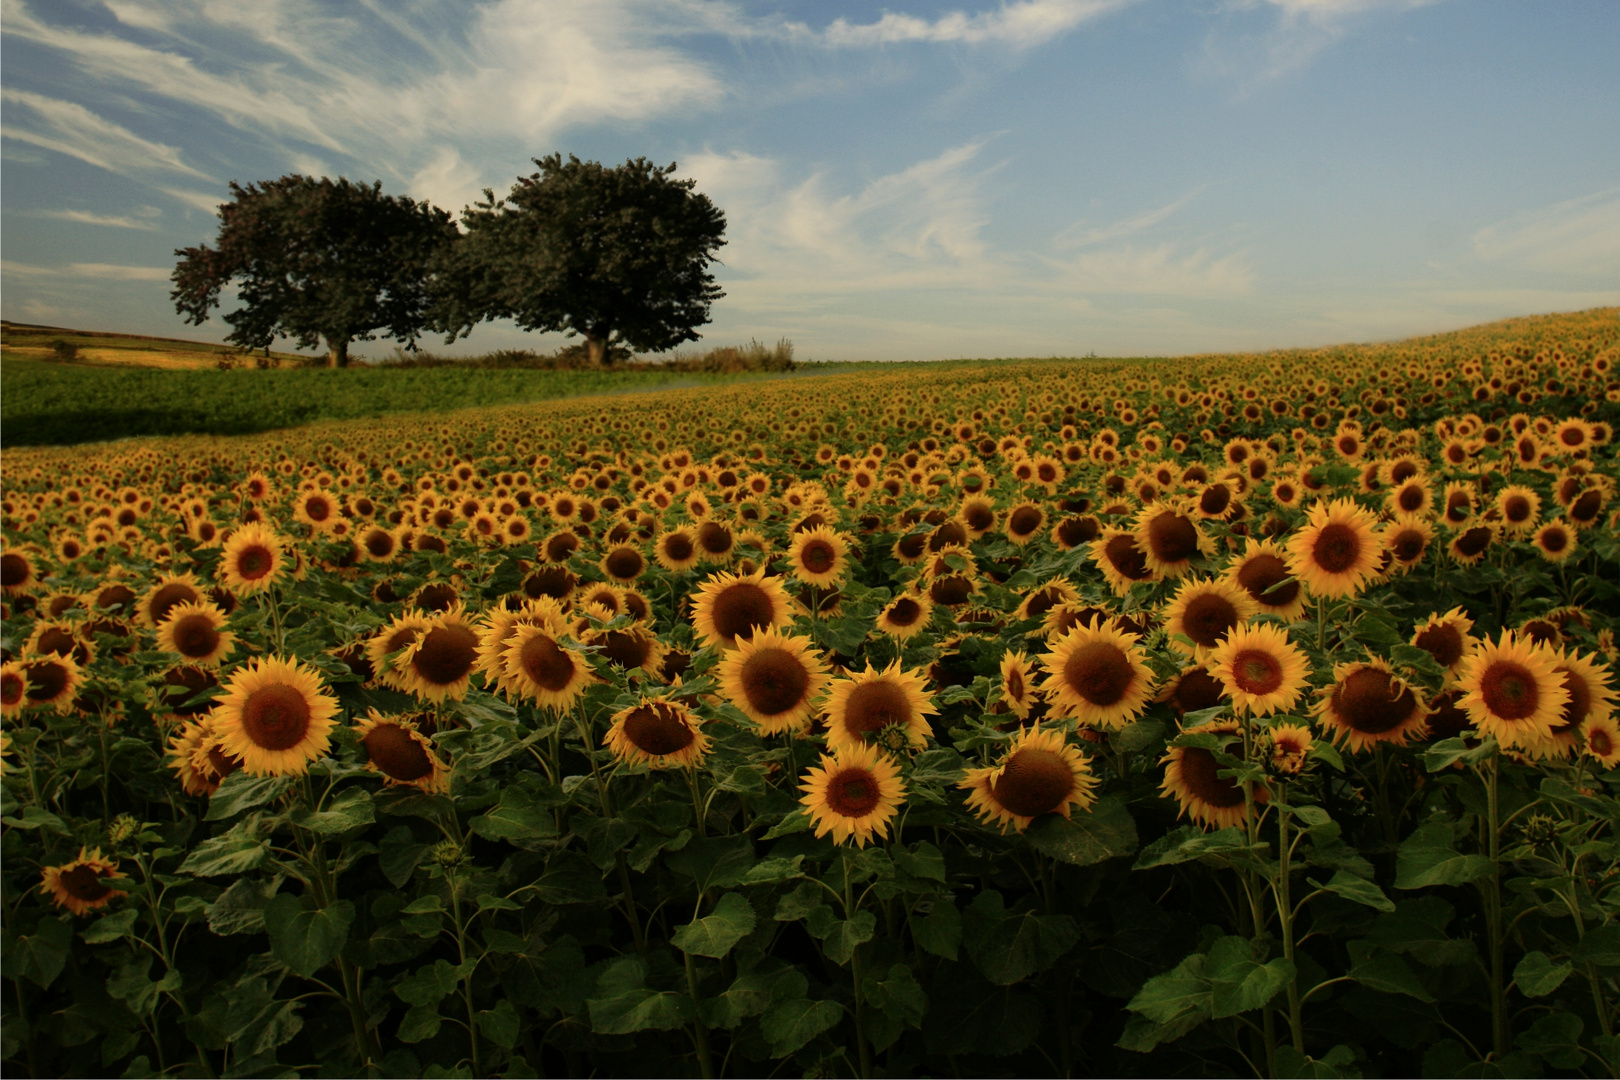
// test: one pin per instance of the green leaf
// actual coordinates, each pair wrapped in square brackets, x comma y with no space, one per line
[421,1022]
[240,908]
[431,983]
[754,991]
[39,957]
[1358,889]
[1556,1039]
[788,1025]
[898,994]
[1418,929]
[500,1024]
[796,822]
[234,852]
[131,985]
[1238,982]
[491,902]
[1537,976]
[398,855]
[1600,946]
[940,931]
[1087,837]
[966,1016]
[714,862]
[716,933]
[34,817]
[352,809]
[1384,971]
[1008,946]
[1227,846]
[518,816]
[239,792]
[1178,995]
[625,1004]
[845,935]
[1430,857]
[111,927]
[1340,1062]
[922,861]
[304,937]
[774,870]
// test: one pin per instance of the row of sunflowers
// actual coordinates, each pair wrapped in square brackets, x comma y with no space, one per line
[1251,714]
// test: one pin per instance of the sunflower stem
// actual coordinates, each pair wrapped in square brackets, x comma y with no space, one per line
[1285,916]
[1492,888]
[864,1048]
[700,1029]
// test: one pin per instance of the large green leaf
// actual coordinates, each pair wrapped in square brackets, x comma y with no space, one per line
[235,852]
[788,1025]
[1601,946]
[1008,946]
[1169,1005]
[1430,857]
[1237,981]
[714,862]
[240,908]
[1358,889]
[304,937]
[39,957]
[519,815]
[1418,929]
[841,937]
[898,994]
[1227,847]
[717,932]
[754,991]
[1555,1038]
[1383,970]
[431,983]
[940,930]
[352,809]
[1086,837]
[500,1024]
[625,1004]
[1537,976]
[1338,1063]
[239,792]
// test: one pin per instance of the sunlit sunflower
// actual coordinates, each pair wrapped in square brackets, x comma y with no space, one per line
[197,632]
[1205,612]
[1586,679]
[170,591]
[1512,690]
[255,558]
[1369,704]
[1169,539]
[860,706]
[1406,541]
[1192,777]
[386,647]
[275,716]
[1448,639]
[1038,774]
[1290,748]
[499,627]
[905,616]
[1262,671]
[819,557]
[52,680]
[439,663]
[1601,735]
[1556,541]
[1097,674]
[401,754]
[317,509]
[1338,550]
[853,794]
[1122,563]
[1520,508]
[1262,572]
[657,733]
[1018,683]
[775,679]
[84,884]
[13,688]
[537,666]
[677,549]
[728,607]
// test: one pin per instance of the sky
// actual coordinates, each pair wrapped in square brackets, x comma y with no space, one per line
[917,181]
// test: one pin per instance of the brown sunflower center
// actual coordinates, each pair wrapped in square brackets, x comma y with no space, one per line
[1443,641]
[1197,689]
[1262,577]
[318,509]
[254,562]
[874,705]
[951,590]
[1200,774]
[1516,509]
[544,661]
[657,730]
[165,599]
[1208,618]
[1173,538]
[1033,782]
[1408,545]
[1580,700]
[1554,539]
[85,883]
[1473,542]
[853,793]
[393,750]
[1215,499]
[1372,702]
[1024,521]
[1446,718]
[1585,508]
[1599,744]
[276,717]
[1100,672]
[1257,672]
[1015,684]
[627,648]
[904,612]
[678,547]
[1410,498]
[56,640]
[625,563]
[1123,555]
[12,688]
[818,556]
[553,581]
[774,681]
[1336,548]
[740,607]
[14,570]
[195,636]
[221,762]
[1509,690]
[47,680]
[1074,531]
[379,543]
[445,655]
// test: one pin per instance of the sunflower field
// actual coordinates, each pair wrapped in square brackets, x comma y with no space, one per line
[1232,716]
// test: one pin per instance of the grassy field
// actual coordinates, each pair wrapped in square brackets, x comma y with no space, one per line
[25,341]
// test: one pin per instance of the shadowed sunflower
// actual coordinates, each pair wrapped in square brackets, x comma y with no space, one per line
[623,563]
[1192,690]
[1290,748]
[1262,671]
[1122,563]
[906,616]
[392,641]
[19,570]
[677,549]
[1602,737]
[255,558]
[854,793]
[210,761]
[1520,508]
[183,748]
[1018,683]
[1205,612]
[439,663]
[860,706]
[1586,679]
[1556,541]
[1338,550]
[1097,674]
[171,591]
[1407,539]
[197,632]
[401,755]
[1169,539]
[1369,704]
[728,607]
[774,678]
[1469,545]
[535,665]
[84,884]
[13,688]
[51,680]
[1511,689]
[1039,774]
[1447,638]
[1262,572]
[1192,777]
[819,557]
[657,733]
[1024,522]
[275,717]
[1045,597]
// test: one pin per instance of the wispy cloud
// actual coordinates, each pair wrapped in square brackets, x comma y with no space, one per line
[69,128]
[115,221]
[1020,25]
[103,271]
[1580,236]
[1080,234]
[1299,31]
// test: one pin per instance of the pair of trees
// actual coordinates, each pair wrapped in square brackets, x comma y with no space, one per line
[614,255]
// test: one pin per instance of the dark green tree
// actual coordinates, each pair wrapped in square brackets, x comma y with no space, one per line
[614,255]
[317,260]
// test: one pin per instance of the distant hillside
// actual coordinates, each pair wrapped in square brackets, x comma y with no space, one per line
[31,341]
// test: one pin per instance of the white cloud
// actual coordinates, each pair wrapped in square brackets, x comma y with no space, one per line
[1154,271]
[103,271]
[72,129]
[1303,29]
[448,182]
[1581,236]
[85,217]
[1079,235]
[197,200]
[1021,25]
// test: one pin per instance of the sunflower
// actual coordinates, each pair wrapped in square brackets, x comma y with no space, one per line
[774,678]
[1262,671]
[52,680]
[1469,545]
[1512,690]
[254,559]
[391,641]
[62,638]
[609,598]
[1447,639]
[1337,551]
[1520,508]
[379,544]
[728,607]
[13,687]
[1097,674]
[439,662]
[1039,774]
[1204,612]
[854,792]
[1406,540]
[535,665]
[19,571]
[1602,737]
[1586,679]
[1192,777]
[677,549]
[1192,690]
[657,733]
[275,717]
[1024,522]
[1411,497]
[196,631]
[1169,539]
[1262,572]
[1555,541]
[861,706]
[317,509]
[623,563]
[1369,704]
[819,557]
[500,626]
[402,755]
[170,591]
[1290,748]
[905,616]
[1122,563]
[1045,597]
[629,648]
[183,748]
[84,884]
[1017,683]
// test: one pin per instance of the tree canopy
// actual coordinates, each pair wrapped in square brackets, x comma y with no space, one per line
[614,255]
[317,260]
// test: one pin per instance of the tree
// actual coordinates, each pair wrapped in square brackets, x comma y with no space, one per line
[614,255]
[317,259]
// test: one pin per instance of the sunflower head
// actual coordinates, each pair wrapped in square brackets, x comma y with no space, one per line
[1261,670]
[196,631]
[254,559]
[729,607]
[775,679]
[1038,774]
[401,754]
[659,733]
[439,662]
[819,556]
[83,885]
[1338,551]
[1097,674]
[1262,572]
[853,794]
[1169,538]
[274,716]
[906,615]
[1511,689]
[1204,612]
[1447,638]
[1192,776]
[1369,704]
[861,705]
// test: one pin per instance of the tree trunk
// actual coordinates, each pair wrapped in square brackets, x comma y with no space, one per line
[596,345]
[337,352]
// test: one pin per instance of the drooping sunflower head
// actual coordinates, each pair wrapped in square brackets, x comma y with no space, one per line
[401,754]
[1040,773]
[385,649]
[728,607]
[51,680]
[1097,674]
[1262,572]
[84,884]
[1338,550]
[1447,638]
[775,679]
[1018,683]
[196,631]
[182,758]
[906,615]
[1192,690]
[1512,690]
[874,705]
[275,716]
[1122,562]
[853,794]
[1262,671]
[1045,597]
[439,662]
[1369,704]
[1290,748]
[1204,612]
[658,733]
[537,666]
[819,557]
[1469,545]
[1169,538]
[1192,776]
[255,558]
[170,591]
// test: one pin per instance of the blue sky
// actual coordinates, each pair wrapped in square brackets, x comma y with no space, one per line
[913,181]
